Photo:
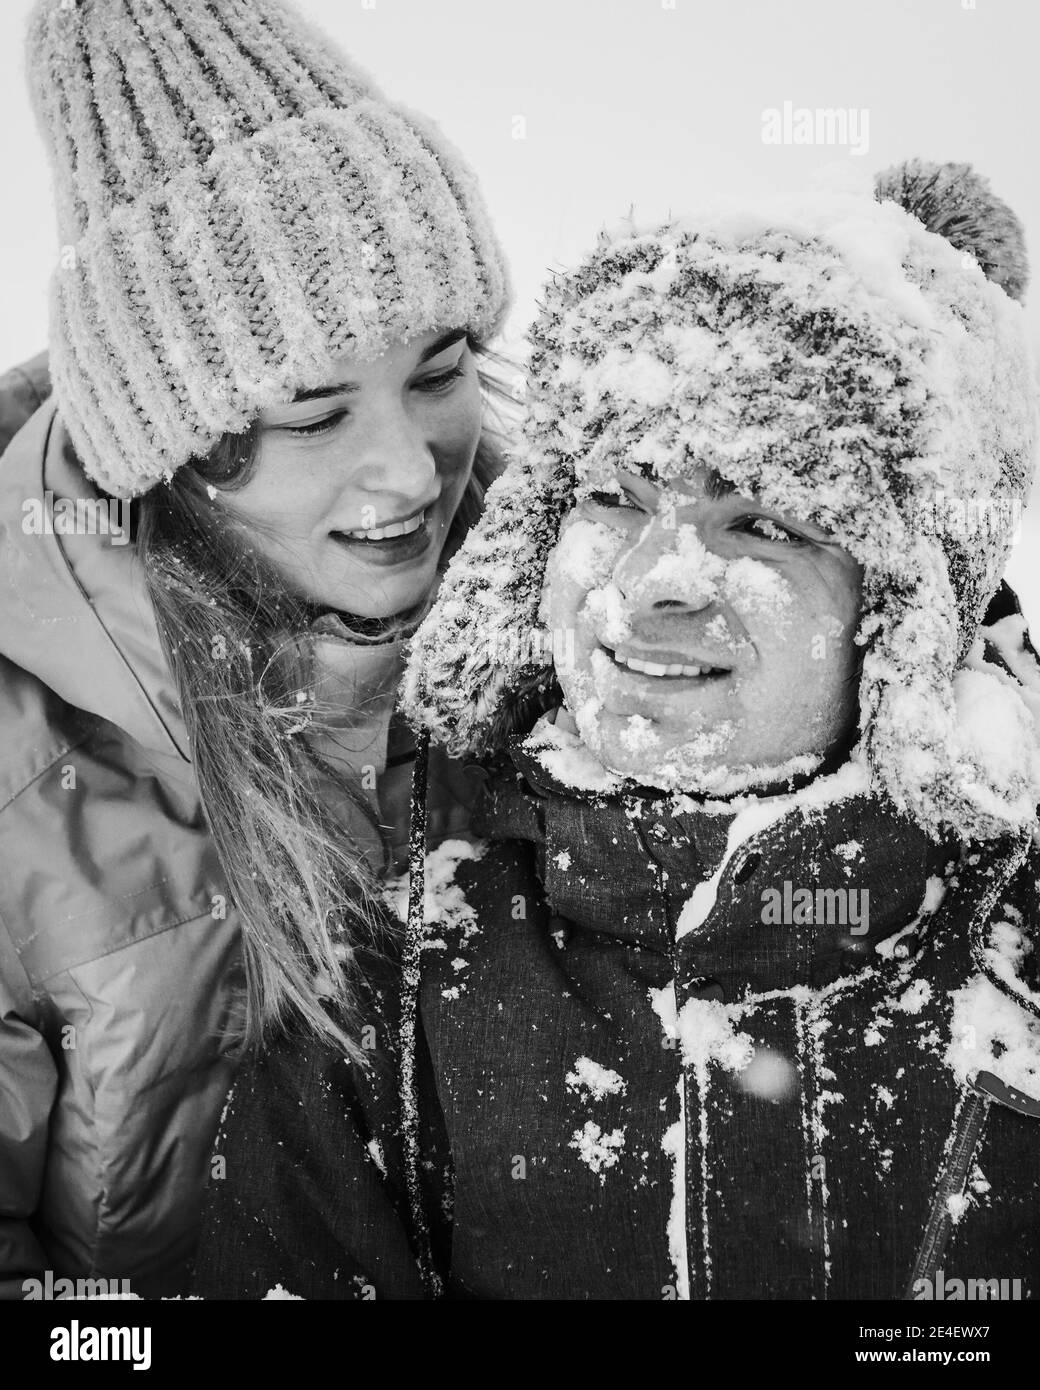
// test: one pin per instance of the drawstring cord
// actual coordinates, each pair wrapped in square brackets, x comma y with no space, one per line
[1025,997]
[410,984]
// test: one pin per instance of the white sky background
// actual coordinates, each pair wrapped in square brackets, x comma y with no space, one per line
[651,103]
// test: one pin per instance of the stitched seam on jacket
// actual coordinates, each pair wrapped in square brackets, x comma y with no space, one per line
[125,946]
[27,379]
[42,771]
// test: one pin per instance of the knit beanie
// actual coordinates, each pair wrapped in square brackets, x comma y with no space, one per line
[853,359]
[236,202]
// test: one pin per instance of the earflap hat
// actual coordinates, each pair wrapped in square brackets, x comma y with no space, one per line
[858,360]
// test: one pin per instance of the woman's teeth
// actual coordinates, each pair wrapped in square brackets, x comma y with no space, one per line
[387,533]
[654,668]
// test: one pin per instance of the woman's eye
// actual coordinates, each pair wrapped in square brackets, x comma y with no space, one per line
[442,381]
[764,528]
[313,427]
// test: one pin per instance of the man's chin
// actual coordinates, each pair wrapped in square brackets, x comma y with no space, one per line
[702,763]
[671,706]
[640,749]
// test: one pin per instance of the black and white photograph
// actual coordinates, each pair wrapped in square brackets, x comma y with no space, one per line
[519,716]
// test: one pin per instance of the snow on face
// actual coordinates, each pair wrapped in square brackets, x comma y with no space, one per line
[706,642]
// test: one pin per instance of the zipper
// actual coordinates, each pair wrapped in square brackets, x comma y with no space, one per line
[410,990]
[969,1120]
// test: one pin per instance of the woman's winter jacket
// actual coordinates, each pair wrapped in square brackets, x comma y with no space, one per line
[118,944]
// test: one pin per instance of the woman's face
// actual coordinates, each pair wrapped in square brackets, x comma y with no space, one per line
[356,482]
[702,635]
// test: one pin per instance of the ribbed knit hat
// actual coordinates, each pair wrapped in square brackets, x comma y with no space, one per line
[849,365]
[236,202]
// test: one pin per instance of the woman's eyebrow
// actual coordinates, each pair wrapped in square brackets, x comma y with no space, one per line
[346,388]
[317,393]
[445,341]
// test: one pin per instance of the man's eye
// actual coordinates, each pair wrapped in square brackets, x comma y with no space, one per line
[764,528]
[618,501]
[313,427]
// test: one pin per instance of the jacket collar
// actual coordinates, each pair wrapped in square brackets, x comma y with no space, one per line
[725,895]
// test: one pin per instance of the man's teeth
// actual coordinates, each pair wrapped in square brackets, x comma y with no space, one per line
[386,533]
[654,668]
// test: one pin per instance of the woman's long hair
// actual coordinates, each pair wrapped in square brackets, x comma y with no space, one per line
[306,900]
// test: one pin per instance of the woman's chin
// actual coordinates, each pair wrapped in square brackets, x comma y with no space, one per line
[386,597]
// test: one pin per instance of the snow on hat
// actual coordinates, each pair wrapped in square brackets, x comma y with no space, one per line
[236,202]
[844,361]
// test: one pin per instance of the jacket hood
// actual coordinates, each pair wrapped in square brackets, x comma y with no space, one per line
[74,611]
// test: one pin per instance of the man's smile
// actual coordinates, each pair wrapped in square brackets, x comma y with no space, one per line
[664,664]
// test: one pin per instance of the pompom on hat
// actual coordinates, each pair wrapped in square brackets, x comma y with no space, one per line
[848,364]
[236,202]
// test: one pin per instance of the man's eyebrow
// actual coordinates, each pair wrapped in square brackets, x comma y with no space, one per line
[347,388]
[716,486]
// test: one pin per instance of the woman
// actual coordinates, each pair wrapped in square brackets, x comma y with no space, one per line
[273,290]
[737,999]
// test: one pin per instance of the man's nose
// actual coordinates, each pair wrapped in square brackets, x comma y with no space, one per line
[667,620]
[663,583]
[672,607]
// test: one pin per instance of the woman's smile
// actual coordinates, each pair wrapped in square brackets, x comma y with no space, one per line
[398,543]
[390,529]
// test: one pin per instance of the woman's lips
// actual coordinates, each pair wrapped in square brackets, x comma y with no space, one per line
[665,665]
[389,530]
[393,549]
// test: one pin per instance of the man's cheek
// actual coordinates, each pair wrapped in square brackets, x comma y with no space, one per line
[824,639]
[759,593]
[606,615]
[588,551]
[561,599]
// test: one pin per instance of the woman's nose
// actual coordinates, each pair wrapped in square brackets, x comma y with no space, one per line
[391,455]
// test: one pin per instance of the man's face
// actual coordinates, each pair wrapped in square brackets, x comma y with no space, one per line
[705,641]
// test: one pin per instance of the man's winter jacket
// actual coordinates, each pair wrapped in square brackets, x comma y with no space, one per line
[673,1055]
